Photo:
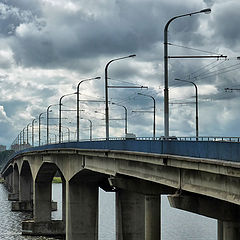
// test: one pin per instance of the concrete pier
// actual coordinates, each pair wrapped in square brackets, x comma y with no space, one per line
[229,230]
[82,211]
[138,216]
[42,201]
[152,217]
[41,224]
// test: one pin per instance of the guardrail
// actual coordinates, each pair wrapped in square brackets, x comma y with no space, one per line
[188,145]
[171,138]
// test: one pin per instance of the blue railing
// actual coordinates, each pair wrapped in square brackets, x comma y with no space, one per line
[172,138]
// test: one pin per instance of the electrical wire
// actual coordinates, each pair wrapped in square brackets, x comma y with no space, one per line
[195,49]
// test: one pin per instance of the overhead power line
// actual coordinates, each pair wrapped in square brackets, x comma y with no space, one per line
[195,49]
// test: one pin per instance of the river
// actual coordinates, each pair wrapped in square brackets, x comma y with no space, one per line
[176,224]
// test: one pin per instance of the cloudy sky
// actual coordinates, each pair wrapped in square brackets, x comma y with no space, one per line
[48,46]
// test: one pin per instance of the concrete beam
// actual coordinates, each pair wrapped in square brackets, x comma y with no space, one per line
[206,206]
[132,184]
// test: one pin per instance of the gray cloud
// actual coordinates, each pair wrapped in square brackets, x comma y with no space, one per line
[225,24]
[48,47]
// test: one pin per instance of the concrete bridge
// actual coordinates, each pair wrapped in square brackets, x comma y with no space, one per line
[199,176]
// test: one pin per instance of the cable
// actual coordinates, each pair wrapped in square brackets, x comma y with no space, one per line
[218,72]
[195,49]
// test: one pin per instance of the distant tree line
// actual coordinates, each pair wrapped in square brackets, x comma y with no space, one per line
[4,157]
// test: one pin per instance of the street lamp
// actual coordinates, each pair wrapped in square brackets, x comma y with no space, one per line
[196,102]
[154,113]
[106,92]
[18,140]
[69,133]
[28,132]
[60,115]
[90,128]
[20,146]
[48,110]
[125,109]
[39,128]
[23,135]
[166,95]
[33,131]
[78,86]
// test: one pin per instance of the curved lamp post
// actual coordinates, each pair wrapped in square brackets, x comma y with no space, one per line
[60,115]
[39,128]
[196,102]
[69,133]
[126,119]
[27,133]
[48,111]
[34,120]
[20,146]
[106,92]
[154,113]
[166,96]
[90,128]
[78,101]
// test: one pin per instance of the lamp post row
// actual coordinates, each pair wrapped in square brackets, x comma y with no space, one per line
[166,91]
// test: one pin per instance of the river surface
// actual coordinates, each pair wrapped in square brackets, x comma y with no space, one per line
[176,224]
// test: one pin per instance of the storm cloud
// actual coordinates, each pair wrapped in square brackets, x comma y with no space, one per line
[47,47]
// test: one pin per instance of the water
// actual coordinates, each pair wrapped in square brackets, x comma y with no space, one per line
[176,224]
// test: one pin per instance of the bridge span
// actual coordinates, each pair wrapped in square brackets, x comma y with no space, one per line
[199,176]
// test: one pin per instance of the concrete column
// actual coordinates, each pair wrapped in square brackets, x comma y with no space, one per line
[82,211]
[220,230]
[10,182]
[131,217]
[24,202]
[25,189]
[231,230]
[42,201]
[152,217]
[15,181]
[64,201]
[6,182]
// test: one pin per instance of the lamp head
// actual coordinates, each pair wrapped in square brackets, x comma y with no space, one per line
[133,55]
[97,78]
[206,10]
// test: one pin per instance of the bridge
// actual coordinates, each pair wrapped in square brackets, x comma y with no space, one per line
[200,176]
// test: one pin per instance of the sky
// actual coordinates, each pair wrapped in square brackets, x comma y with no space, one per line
[47,47]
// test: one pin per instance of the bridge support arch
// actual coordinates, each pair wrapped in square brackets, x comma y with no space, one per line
[25,201]
[42,223]
[14,195]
